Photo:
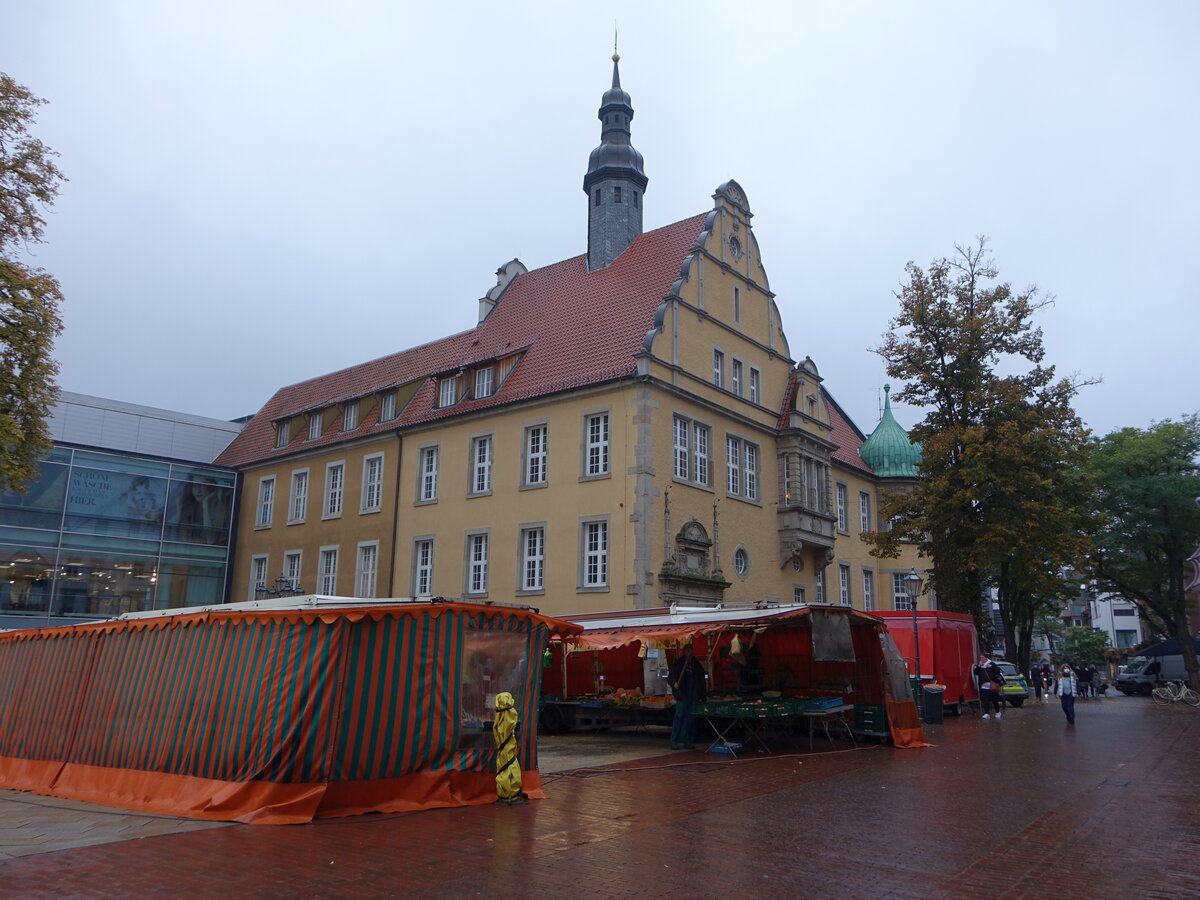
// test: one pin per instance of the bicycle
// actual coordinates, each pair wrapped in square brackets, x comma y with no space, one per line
[1174,691]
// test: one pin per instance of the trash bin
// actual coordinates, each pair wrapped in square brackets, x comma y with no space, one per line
[932,695]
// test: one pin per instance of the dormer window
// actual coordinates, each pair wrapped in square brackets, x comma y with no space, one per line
[350,417]
[314,426]
[448,391]
[282,433]
[483,383]
[387,407]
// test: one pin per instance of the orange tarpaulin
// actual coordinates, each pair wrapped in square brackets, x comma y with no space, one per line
[271,716]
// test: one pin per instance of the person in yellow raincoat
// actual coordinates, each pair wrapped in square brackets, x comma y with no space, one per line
[508,770]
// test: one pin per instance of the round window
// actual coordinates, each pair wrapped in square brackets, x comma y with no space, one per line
[741,561]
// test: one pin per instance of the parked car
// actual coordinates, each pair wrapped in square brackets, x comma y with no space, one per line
[1016,688]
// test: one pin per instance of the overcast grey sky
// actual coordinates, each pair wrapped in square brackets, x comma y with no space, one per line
[267,190]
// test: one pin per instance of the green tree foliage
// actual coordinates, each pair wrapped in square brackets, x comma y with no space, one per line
[1085,645]
[1001,499]
[29,297]
[1149,482]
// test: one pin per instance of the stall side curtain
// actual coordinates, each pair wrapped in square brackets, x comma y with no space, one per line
[227,700]
[42,685]
[831,636]
[895,672]
[398,694]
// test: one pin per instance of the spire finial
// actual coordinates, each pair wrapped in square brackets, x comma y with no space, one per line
[616,55]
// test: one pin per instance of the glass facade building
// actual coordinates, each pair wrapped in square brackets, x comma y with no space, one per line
[104,530]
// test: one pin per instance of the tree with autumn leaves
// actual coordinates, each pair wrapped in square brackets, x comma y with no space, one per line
[1003,495]
[29,296]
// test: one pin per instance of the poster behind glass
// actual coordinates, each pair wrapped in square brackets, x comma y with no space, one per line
[116,503]
[199,511]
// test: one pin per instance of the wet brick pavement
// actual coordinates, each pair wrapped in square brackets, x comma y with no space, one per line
[1024,807]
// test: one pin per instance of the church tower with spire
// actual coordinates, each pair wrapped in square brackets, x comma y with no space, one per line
[614,182]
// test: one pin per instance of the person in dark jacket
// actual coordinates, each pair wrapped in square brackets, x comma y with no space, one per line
[687,679]
[990,680]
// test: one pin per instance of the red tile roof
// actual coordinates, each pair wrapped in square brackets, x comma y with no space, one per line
[847,437]
[576,327]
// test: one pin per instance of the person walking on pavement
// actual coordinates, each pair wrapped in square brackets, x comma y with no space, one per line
[1084,677]
[688,687]
[1068,687]
[990,681]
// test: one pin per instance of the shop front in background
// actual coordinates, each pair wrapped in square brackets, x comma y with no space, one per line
[100,534]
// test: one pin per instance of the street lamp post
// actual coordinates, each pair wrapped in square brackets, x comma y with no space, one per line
[283,588]
[912,587]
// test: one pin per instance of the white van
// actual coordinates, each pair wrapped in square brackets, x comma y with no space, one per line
[1144,673]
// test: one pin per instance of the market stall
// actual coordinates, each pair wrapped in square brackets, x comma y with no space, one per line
[273,713]
[766,665]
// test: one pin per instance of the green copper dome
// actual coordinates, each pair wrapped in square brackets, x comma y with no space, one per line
[888,450]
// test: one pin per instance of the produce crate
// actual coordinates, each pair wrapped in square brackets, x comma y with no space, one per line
[870,718]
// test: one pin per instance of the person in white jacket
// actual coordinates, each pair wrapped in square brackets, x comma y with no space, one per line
[1068,689]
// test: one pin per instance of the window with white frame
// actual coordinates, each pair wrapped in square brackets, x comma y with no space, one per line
[282,433]
[798,594]
[291,567]
[258,575]
[477,563]
[755,385]
[595,554]
[387,406]
[483,382]
[733,465]
[683,444]
[750,471]
[868,590]
[735,377]
[718,368]
[350,416]
[372,483]
[842,502]
[427,486]
[335,479]
[900,598]
[537,455]
[844,584]
[864,511]
[595,445]
[266,501]
[692,451]
[327,567]
[533,558]
[366,572]
[448,390]
[423,567]
[819,585]
[741,467]
[298,507]
[314,426]
[481,464]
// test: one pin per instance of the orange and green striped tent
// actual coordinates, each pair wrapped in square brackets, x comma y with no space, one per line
[272,715]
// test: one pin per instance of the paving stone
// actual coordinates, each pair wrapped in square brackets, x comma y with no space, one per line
[1014,809]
